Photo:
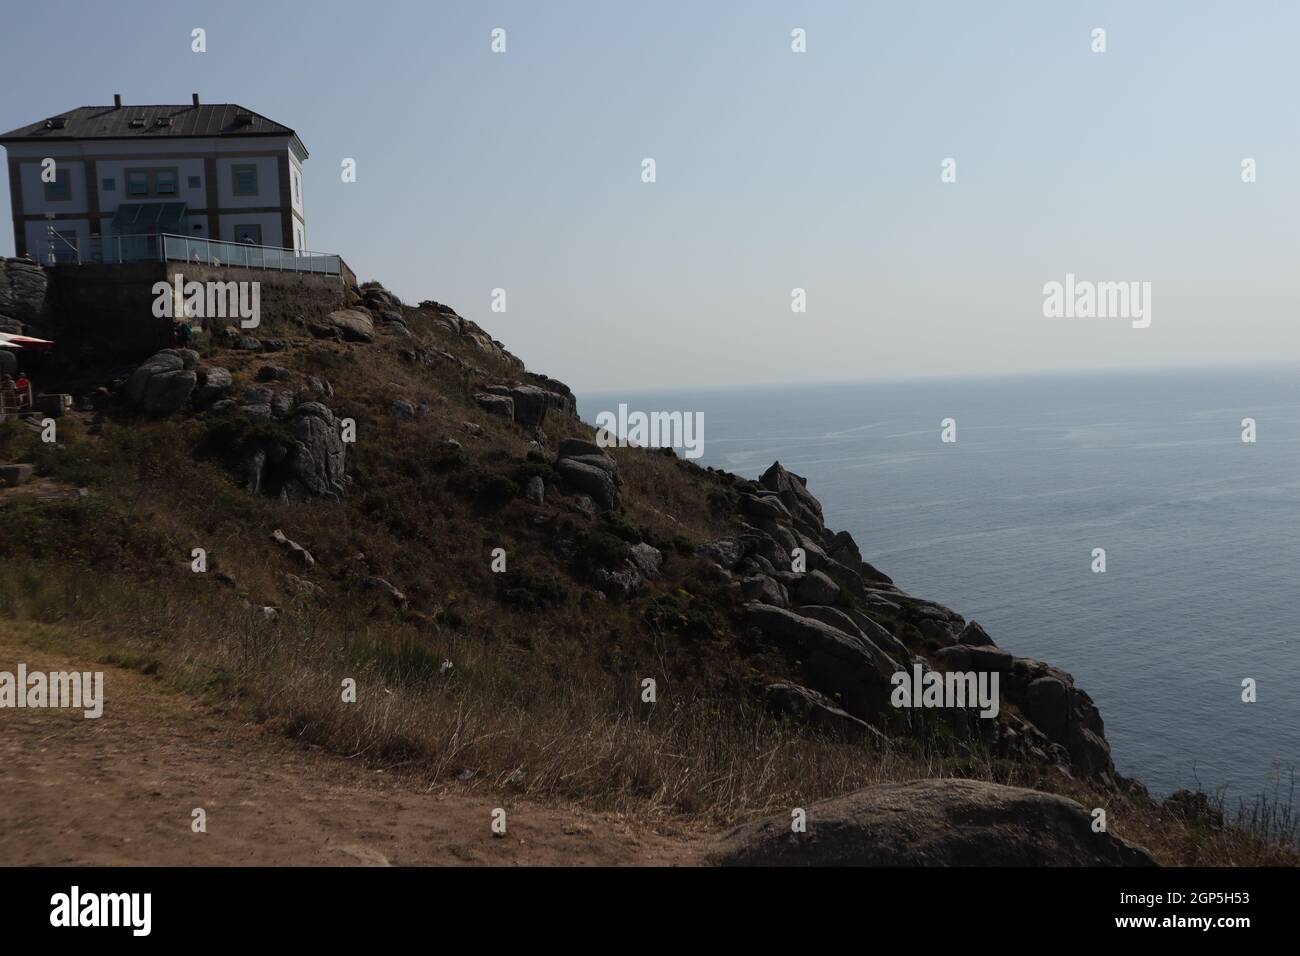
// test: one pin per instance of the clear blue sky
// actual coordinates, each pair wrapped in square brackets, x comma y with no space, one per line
[775,170]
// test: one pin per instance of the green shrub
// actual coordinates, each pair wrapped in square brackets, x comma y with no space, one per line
[496,490]
[618,524]
[684,615]
[447,457]
[527,590]
[600,549]
[65,464]
[15,439]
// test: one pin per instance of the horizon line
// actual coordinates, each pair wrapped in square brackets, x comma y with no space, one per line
[1278,364]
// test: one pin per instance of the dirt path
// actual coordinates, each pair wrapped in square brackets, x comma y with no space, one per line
[119,790]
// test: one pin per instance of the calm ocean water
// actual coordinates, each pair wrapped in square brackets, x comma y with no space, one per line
[1201,531]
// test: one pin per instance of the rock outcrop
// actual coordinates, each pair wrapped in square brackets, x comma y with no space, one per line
[934,823]
[213,382]
[819,711]
[319,458]
[23,285]
[297,551]
[499,406]
[162,384]
[352,325]
[586,468]
[847,630]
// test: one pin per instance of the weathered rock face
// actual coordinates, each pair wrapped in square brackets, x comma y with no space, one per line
[213,383]
[835,662]
[817,588]
[1065,714]
[168,360]
[319,454]
[591,480]
[22,294]
[558,395]
[167,393]
[586,468]
[486,344]
[293,548]
[648,559]
[525,405]
[820,712]
[308,462]
[352,325]
[725,552]
[934,823]
[380,299]
[578,447]
[974,635]
[162,384]
[794,494]
[764,589]
[530,405]
[500,406]
[620,582]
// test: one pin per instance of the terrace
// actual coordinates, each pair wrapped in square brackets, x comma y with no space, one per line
[171,247]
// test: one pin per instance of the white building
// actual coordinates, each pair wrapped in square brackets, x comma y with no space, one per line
[83,183]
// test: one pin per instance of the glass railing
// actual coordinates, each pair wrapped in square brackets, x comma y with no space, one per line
[173,248]
[248,255]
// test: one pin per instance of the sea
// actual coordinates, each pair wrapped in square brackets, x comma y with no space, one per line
[1197,602]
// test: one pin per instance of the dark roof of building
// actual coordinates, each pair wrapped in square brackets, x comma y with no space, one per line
[133,122]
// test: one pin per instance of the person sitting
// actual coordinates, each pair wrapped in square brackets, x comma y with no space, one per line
[24,388]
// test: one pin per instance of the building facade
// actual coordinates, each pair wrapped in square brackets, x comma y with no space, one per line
[94,182]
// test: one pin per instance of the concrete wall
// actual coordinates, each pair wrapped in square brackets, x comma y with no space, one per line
[101,311]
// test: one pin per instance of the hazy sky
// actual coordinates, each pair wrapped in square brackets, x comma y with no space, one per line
[775,170]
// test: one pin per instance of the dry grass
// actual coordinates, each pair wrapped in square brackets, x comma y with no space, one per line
[494,721]
[574,732]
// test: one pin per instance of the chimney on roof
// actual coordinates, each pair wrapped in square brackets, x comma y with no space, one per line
[117,101]
[195,97]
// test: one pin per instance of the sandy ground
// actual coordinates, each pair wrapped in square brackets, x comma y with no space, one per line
[119,790]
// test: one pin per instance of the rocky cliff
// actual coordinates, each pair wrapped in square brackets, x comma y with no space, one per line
[22,294]
[834,631]
[393,482]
